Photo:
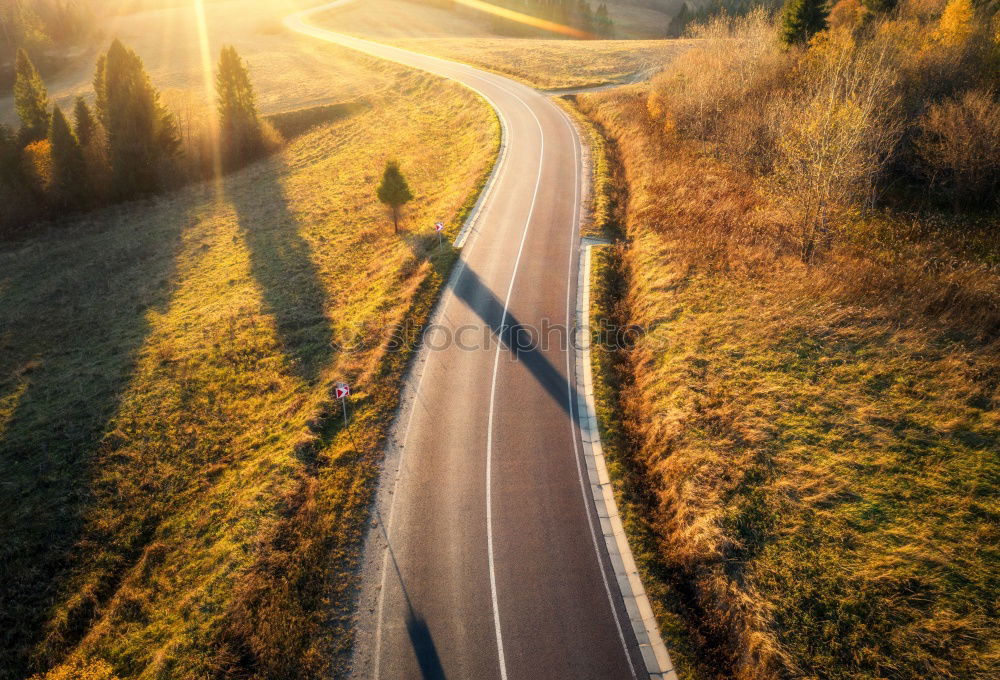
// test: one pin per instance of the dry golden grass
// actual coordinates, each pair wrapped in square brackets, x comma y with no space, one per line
[181,498]
[553,64]
[464,36]
[807,455]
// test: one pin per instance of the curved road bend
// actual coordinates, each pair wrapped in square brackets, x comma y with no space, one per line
[492,568]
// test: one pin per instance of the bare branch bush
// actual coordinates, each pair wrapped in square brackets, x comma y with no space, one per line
[835,139]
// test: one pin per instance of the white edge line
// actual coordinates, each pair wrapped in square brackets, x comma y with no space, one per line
[574,421]
[647,631]
[296,22]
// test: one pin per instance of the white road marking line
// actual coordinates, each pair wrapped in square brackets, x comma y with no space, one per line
[573,420]
[493,390]
[655,655]
[296,23]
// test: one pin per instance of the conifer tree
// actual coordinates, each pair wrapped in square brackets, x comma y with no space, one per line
[603,20]
[68,167]
[30,99]
[10,157]
[802,19]
[678,24]
[84,124]
[238,120]
[394,191]
[100,89]
[142,136]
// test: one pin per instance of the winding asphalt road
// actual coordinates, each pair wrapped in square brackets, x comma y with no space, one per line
[486,560]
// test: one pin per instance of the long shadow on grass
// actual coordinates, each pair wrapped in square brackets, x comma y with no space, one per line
[73,317]
[281,262]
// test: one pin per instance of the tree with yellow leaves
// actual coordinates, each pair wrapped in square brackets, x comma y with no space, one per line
[957,23]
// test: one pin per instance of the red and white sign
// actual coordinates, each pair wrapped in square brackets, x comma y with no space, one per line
[438,227]
[343,389]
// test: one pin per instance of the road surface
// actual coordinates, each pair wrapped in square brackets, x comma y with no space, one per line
[487,559]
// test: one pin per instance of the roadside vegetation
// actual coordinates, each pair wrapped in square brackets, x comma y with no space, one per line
[805,433]
[181,496]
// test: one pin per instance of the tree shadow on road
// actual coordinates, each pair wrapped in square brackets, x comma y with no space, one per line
[519,340]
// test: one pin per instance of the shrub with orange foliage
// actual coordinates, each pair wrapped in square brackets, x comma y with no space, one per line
[960,146]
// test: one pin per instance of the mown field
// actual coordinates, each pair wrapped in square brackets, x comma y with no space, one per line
[458,35]
[180,496]
[806,455]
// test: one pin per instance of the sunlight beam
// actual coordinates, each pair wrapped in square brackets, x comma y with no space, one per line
[526,19]
[208,75]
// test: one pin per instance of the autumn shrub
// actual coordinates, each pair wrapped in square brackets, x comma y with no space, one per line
[808,424]
[836,137]
[960,147]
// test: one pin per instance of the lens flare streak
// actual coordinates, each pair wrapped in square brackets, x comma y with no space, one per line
[526,19]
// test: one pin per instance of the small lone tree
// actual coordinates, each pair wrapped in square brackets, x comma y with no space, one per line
[68,166]
[802,19]
[30,99]
[238,120]
[394,191]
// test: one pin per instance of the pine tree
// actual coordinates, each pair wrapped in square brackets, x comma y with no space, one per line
[84,124]
[603,21]
[142,136]
[239,123]
[101,89]
[394,191]
[68,167]
[30,99]
[10,157]
[678,24]
[802,19]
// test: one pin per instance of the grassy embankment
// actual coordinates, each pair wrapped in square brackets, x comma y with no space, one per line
[806,454]
[181,498]
[543,63]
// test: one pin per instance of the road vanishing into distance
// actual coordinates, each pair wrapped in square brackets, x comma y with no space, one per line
[486,559]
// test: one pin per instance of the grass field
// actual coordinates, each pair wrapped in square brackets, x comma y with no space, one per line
[458,35]
[292,71]
[289,71]
[806,456]
[180,498]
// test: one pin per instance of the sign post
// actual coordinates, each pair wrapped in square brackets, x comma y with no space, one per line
[342,392]
[438,227]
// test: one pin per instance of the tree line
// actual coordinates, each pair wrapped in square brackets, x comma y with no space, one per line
[44,22]
[123,145]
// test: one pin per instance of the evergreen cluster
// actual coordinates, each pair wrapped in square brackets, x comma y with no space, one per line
[39,23]
[699,13]
[126,144]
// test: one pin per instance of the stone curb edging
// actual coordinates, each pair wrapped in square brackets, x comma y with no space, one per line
[640,613]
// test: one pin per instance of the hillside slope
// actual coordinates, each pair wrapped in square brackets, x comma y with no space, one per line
[181,497]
